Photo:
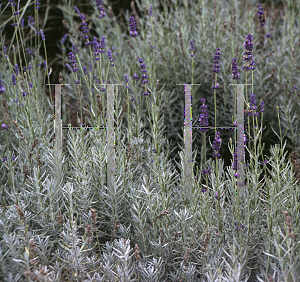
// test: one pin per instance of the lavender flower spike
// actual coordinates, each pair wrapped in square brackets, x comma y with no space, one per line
[203,116]
[261,16]
[192,48]
[216,145]
[132,24]
[235,73]
[150,12]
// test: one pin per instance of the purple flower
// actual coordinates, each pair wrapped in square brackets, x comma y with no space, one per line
[261,16]
[203,116]
[109,53]
[2,88]
[73,62]
[77,10]
[150,12]
[235,73]
[22,23]
[203,190]
[192,48]
[144,71]
[253,104]
[30,85]
[217,196]
[16,13]
[100,8]
[135,76]
[12,3]
[248,44]
[91,67]
[102,44]
[30,66]
[132,24]
[126,80]
[37,4]
[216,145]
[84,28]
[63,40]
[84,70]
[263,162]
[14,79]
[96,49]
[16,69]
[30,21]
[262,106]
[14,24]
[206,171]
[217,61]
[268,35]
[74,48]
[42,35]
[4,160]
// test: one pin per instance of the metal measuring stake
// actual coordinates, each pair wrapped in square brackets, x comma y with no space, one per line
[110,131]
[188,140]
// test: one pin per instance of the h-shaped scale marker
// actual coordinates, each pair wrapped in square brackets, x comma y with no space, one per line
[188,136]
[110,131]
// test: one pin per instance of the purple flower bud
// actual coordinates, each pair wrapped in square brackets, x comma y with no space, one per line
[64,39]
[30,21]
[109,53]
[77,10]
[14,79]
[102,44]
[42,35]
[132,24]
[74,49]
[100,8]
[73,62]
[203,116]
[22,23]
[235,73]
[261,16]
[150,12]
[144,71]
[84,70]
[248,44]
[37,4]
[217,61]
[192,48]
[12,3]
[262,106]
[216,145]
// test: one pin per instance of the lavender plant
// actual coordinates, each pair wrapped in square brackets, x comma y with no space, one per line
[58,223]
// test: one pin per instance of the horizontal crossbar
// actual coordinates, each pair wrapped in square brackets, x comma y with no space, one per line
[198,127]
[98,127]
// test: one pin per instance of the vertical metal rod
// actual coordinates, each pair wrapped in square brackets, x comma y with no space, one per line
[110,140]
[240,135]
[188,142]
